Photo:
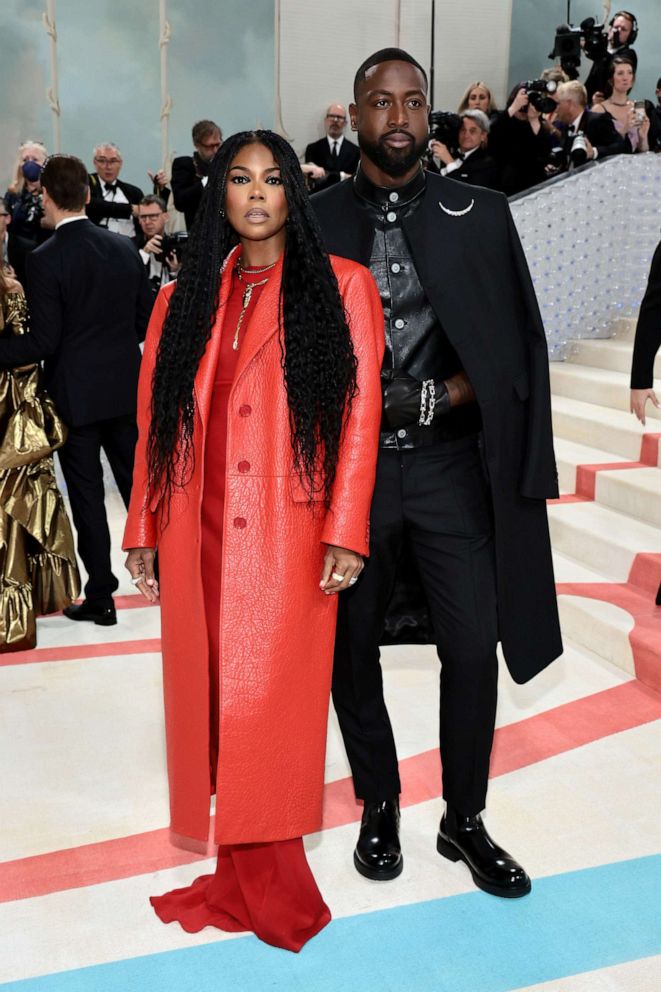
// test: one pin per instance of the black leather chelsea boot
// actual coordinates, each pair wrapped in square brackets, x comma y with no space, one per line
[378,854]
[465,838]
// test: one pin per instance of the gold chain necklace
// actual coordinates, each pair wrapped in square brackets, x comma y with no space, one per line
[247,295]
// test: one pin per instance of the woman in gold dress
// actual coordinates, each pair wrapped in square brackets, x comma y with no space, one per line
[38,570]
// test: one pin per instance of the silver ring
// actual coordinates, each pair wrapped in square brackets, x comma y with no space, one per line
[137,579]
[353,580]
[338,577]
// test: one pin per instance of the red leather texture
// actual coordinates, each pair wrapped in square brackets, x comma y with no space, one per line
[276,627]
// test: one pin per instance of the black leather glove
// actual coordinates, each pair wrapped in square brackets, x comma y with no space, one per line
[401,399]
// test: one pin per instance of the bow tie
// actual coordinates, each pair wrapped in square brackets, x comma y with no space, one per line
[110,187]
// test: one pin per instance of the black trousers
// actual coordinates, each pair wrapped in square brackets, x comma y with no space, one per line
[80,458]
[434,500]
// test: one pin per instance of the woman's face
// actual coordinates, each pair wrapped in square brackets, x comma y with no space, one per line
[623,78]
[255,201]
[478,99]
[33,153]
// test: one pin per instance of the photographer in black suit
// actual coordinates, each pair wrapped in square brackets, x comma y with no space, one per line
[600,136]
[190,172]
[622,33]
[335,155]
[471,162]
[90,303]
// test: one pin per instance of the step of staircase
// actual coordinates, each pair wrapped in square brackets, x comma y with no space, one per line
[602,387]
[569,455]
[598,426]
[623,328]
[634,492]
[613,354]
[600,538]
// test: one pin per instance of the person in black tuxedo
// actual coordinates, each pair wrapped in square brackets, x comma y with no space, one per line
[90,303]
[471,163]
[113,203]
[601,138]
[459,549]
[335,154]
[190,172]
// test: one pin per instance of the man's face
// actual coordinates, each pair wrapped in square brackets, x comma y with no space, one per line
[622,25]
[392,117]
[471,135]
[207,147]
[335,120]
[152,219]
[108,162]
[567,111]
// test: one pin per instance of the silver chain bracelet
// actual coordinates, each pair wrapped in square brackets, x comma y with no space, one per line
[427,396]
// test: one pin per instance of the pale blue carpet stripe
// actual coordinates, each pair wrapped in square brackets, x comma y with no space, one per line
[576,922]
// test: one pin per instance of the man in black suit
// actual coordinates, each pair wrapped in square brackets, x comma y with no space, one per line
[190,173]
[459,550]
[601,137]
[113,203]
[335,154]
[472,163]
[89,303]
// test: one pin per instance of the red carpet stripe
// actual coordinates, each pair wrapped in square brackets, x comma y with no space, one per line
[517,745]
[70,652]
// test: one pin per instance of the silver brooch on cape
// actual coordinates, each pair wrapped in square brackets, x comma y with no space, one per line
[457,213]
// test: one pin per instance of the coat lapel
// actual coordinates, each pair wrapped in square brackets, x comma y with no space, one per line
[207,369]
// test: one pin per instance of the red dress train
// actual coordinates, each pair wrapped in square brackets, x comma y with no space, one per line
[264,887]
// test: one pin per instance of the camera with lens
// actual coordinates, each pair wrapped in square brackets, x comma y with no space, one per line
[538,92]
[571,42]
[578,153]
[444,127]
[173,244]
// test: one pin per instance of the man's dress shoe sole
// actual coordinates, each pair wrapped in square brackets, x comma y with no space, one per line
[376,874]
[450,851]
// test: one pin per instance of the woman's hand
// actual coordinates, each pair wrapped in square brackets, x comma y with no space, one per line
[341,570]
[520,102]
[639,398]
[140,563]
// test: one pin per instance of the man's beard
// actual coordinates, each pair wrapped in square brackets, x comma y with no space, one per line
[395,162]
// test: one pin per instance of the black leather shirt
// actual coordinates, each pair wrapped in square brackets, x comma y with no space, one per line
[415,340]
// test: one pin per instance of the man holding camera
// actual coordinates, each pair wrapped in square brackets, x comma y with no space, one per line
[161,263]
[622,32]
[588,136]
[471,163]
[190,173]
[521,141]
[459,548]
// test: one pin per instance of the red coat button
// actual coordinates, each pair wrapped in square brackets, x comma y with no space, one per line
[239,522]
[244,467]
[245,410]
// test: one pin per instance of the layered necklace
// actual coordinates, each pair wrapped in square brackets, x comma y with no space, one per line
[241,271]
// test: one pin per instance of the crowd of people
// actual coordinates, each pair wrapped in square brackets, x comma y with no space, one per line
[330,442]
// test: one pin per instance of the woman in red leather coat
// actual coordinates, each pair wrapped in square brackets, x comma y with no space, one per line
[259,408]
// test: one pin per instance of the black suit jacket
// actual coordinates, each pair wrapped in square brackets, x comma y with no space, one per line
[319,153]
[99,209]
[187,188]
[479,169]
[90,302]
[471,265]
[648,329]
[602,133]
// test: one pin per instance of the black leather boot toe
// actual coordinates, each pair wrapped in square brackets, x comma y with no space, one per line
[378,854]
[465,838]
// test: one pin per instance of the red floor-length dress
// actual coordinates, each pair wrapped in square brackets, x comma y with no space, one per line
[264,887]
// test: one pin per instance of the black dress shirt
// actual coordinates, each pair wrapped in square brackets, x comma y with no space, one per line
[415,340]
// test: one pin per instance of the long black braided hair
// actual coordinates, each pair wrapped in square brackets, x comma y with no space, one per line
[318,361]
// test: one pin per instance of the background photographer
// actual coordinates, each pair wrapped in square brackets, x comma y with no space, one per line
[161,268]
[27,228]
[597,138]
[622,32]
[190,172]
[471,162]
[521,141]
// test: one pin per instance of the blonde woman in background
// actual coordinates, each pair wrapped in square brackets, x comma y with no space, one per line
[478,96]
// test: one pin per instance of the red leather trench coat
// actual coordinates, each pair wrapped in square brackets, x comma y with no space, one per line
[277,627]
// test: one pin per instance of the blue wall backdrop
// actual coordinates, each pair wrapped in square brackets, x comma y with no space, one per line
[221,65]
